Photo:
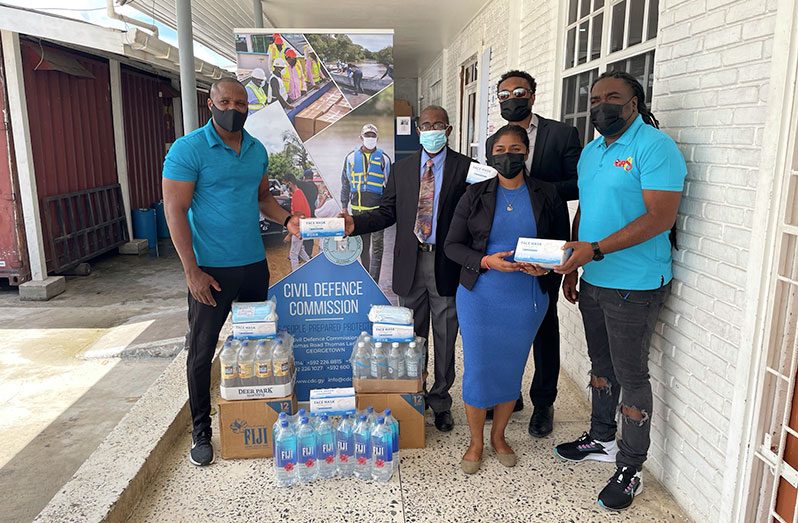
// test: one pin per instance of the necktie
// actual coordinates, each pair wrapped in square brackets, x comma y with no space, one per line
[426,198]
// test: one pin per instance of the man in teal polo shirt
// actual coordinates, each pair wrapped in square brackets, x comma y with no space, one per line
[630,186]
[214,185]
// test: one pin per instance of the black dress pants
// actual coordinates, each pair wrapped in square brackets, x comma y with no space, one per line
[546,350]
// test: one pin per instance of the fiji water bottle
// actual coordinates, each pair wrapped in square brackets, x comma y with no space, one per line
[282,417]
[229,360]
[362,435]
[345,438]
[396,362]
[306,450]
[361,361]
[382,451]
[393,424]
[325,439]
[297,418]
[379,362]
[285,454]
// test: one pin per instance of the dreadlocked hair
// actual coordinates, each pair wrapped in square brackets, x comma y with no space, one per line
[639,93]
[645,113]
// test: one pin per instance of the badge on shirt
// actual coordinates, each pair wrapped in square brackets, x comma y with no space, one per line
[626,165]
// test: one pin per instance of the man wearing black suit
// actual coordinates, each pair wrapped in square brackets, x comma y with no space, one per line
[554,153]
[420,197]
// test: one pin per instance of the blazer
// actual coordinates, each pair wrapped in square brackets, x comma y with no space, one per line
[473,220]
[554,159]
[399,205]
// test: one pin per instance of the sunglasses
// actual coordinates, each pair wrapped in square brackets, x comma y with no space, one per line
[518,92]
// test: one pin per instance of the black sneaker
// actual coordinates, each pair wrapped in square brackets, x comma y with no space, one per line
[621,489]
[201,451]
[587,449]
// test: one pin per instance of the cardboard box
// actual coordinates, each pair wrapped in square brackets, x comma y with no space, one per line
[334,402]
[304,123]
[245,427]
[546,253]
[255,330]
[258,391]
[387,386]
[402,108]
[408,409]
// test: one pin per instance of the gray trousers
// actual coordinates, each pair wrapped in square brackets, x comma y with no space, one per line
[618,328]
[371,257]
[426,302]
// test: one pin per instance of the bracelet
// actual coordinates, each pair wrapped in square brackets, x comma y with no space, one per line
[287,219]
[485,261]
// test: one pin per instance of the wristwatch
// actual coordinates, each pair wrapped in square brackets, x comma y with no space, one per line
[597,254]
[287,219]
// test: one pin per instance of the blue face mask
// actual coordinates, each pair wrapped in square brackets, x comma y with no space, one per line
[433,141]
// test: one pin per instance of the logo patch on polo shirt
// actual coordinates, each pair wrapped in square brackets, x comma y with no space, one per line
[626,165]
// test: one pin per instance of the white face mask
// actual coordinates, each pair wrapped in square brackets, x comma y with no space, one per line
[369,143]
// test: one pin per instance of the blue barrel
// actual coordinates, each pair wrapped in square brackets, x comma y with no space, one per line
[144,227]
[160,218]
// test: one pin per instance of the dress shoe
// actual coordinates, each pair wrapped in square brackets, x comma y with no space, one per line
[444,421]
[508,460]
[542,422]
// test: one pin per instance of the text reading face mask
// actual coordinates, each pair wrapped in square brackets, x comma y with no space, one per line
[229,120]
[509,165]
[432,141]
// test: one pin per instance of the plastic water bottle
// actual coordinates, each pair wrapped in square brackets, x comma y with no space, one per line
[246,364]
[379,362]
[393,424]
[282,417]
[413,360]
[306,449]
[281,362]
[297,418]
[362,435]
[382,451]
[314,420]
[396,363]
[325,440]
[285,454]
[361,361]
[229,361]
[345,439]
[263,363]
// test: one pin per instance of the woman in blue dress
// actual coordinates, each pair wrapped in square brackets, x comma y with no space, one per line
[500,302]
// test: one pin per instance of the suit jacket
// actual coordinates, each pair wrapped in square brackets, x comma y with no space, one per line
[400,204]
[473,220]
[557,150]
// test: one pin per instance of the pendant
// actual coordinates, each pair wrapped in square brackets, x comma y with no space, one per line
[510,207]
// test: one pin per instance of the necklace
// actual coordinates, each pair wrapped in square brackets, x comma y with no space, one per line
[509,203]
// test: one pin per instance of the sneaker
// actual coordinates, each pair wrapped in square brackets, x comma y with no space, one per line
[587,449]
[201,451]
[621,489]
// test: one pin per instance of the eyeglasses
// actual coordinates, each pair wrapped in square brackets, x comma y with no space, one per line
[518,92]
[437,126]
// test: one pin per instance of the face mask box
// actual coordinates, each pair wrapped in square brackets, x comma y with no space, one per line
[245,427]
[254,330]
[334,402]
[255,311]
[408,409]
[546,253]
[321,228]
[391,332]
[480,173]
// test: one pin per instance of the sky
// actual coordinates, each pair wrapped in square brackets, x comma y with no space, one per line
[94,11]
[372,42]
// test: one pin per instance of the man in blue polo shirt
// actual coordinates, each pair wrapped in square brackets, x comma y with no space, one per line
[214,185]
[630,186]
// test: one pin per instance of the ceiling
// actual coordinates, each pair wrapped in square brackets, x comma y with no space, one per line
[422,28]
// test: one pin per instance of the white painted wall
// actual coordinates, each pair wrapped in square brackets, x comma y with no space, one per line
[710,93]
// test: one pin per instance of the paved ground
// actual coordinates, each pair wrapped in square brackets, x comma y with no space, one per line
[429,486]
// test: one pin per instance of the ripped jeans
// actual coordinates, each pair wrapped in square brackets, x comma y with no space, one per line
[618,328]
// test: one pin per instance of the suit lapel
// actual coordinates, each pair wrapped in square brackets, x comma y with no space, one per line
[540,143]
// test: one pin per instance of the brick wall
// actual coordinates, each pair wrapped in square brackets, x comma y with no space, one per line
[710,95]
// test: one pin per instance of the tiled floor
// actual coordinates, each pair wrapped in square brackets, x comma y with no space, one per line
[429,486]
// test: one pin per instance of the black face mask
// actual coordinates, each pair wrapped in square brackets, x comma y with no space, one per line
[607,118]
[509,165]
[515,109]
[230,120]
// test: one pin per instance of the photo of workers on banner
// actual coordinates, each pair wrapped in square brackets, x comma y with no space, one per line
[360,64]
[284,69]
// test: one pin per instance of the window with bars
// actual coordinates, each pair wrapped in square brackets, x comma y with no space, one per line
[605,35]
